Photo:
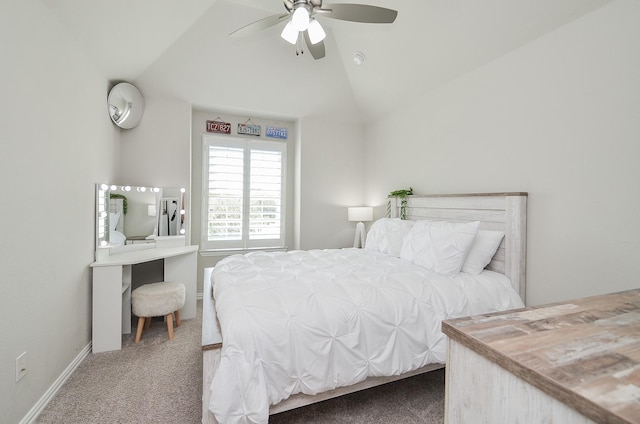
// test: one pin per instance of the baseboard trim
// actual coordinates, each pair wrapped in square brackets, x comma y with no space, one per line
[51,392]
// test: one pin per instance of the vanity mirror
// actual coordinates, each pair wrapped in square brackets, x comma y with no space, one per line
[128,215]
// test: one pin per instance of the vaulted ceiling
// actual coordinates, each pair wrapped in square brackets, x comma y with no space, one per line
[182,49]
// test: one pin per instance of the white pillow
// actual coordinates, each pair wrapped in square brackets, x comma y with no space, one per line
[439,246]
[386,235]
[482,250]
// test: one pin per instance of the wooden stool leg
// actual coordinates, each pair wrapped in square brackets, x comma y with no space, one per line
[170,325]
[139,331]
[178,322]
[147,323]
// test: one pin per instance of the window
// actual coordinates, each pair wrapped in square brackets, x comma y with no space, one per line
[244,183]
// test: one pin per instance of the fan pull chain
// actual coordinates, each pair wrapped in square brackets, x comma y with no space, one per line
[299,45]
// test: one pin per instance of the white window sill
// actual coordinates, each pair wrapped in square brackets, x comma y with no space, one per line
[227,252]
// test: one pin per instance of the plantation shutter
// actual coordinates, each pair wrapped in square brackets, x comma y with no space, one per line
[225,199]
[265,195]
[244,185]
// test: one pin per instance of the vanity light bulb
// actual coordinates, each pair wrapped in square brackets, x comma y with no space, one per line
[104,187]
[126,188]
[181,211]
[143,189]
[182,231]
[155,189]
[112,188]
[182,190]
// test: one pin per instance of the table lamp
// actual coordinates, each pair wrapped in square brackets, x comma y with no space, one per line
[360,214]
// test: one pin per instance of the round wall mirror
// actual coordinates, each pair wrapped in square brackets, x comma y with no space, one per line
[125,105]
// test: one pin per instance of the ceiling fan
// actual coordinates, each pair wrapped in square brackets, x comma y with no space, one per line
[304,25]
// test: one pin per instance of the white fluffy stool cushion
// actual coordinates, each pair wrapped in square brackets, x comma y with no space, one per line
[157,299]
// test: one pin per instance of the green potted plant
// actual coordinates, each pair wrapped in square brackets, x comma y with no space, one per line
[402,195]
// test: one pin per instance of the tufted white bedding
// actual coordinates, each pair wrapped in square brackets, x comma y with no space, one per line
[311,321]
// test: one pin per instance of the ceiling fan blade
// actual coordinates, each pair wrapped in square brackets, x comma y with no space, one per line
[360,13]
[316,50]
[259,25]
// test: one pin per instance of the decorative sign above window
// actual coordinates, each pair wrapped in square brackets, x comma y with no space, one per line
[219,127]
[275,132]
[249,129]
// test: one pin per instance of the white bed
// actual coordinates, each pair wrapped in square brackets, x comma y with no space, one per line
[300,327]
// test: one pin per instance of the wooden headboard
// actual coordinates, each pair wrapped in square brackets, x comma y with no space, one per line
[496,211]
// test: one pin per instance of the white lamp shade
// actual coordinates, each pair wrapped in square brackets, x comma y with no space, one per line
[300,19]
[289,33]
[316,33]
[360,213]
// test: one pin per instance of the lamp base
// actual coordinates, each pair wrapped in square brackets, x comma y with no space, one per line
[358,241]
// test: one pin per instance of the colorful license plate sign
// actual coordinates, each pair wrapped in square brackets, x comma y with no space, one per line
[249,129]
[219,127]
[275,132]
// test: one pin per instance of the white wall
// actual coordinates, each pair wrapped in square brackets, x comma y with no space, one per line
[57,142]
[158,151]
[558,118]
[331,179]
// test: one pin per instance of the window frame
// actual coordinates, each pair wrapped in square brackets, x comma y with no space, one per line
[247,144]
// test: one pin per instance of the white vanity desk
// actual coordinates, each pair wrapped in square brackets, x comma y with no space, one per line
[112,289]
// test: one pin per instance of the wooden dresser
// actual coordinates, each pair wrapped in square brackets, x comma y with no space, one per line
[569,362]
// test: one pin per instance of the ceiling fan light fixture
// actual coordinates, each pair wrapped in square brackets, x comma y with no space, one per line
[316,32]
[289,33]
[300,18]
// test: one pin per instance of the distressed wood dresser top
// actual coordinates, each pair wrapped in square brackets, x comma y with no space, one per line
[584,352]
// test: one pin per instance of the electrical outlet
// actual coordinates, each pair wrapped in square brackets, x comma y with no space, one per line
[21,366]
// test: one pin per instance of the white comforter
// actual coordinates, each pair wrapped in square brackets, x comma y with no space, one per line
[313,321]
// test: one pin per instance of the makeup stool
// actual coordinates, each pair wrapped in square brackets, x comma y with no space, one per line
[157,299]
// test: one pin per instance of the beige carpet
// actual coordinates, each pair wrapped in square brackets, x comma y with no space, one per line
[160,381]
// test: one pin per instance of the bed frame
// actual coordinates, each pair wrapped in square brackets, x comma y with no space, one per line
[496,211]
